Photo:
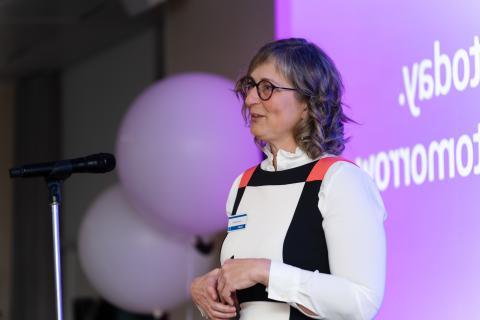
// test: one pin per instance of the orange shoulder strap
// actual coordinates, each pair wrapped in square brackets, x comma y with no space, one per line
[322,166]
[246,177]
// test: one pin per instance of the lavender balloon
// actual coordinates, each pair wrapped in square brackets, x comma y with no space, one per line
[179,148]
[130,263]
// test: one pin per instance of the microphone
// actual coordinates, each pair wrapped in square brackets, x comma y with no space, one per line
[95,163]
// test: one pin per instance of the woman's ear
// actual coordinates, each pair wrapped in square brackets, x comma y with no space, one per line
[304,111]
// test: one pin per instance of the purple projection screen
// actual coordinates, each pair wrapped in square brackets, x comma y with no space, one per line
[411,70]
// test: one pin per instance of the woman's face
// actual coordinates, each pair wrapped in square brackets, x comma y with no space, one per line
[274,120]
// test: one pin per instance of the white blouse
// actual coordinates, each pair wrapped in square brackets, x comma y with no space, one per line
[353,215]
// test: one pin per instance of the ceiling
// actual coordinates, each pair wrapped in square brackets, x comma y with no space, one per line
[38,35]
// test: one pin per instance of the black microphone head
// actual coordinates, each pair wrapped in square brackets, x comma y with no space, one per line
[100,162]
[62,169]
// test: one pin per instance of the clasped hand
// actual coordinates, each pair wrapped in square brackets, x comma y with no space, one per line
[214,292]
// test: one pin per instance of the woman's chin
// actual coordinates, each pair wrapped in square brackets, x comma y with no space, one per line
[262,138]
[256,133]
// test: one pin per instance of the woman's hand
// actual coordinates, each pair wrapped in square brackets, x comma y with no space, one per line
[238,274]
[204,294]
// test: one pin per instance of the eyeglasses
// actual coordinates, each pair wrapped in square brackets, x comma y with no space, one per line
[264,88]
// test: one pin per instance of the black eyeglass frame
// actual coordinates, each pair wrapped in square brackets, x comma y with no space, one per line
[244,93]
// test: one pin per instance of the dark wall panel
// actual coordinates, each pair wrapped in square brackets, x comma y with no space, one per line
[37,132]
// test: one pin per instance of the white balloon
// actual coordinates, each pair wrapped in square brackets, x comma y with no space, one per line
[181,144]
[131,264]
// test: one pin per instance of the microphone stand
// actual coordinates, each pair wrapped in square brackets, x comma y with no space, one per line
[54,183]
[55,198]
[55,174]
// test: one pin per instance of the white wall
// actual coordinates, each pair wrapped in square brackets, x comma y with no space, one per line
[216,36]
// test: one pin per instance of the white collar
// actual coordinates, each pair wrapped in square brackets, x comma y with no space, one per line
[285,159]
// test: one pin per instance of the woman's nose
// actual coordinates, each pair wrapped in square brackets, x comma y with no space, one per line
[252,97]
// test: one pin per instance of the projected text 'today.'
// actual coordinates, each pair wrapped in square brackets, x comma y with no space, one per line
[429,78]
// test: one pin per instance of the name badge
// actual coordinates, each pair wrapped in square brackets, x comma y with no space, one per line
[237,222]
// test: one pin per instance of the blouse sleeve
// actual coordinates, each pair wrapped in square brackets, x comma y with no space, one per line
[353,215]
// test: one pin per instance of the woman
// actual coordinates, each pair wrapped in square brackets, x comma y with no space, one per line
[306,237]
